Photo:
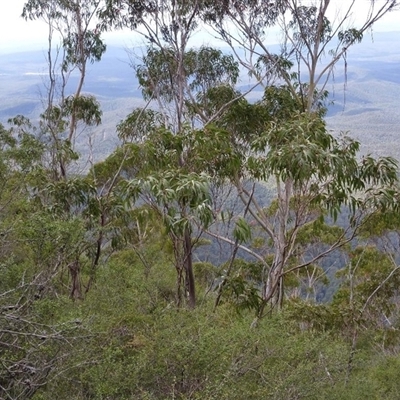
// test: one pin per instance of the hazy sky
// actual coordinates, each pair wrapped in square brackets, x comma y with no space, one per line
[17,34]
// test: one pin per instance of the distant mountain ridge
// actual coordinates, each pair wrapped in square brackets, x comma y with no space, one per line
[365,95]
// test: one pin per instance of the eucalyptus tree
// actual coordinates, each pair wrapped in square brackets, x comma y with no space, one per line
[316,175]
[293,146]
[74,40]
[174,77]
[174,182]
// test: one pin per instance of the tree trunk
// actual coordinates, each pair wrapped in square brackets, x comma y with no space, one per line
[76,289]
[189,275]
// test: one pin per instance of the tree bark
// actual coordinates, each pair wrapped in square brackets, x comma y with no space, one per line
[189,275]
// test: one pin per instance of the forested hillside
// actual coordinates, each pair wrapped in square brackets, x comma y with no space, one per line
[217,241]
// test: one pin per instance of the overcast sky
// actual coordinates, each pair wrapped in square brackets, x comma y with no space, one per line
[16,34]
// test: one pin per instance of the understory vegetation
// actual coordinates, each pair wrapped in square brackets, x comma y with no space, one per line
[127,340]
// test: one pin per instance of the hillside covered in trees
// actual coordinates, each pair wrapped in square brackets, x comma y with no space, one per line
[230,247]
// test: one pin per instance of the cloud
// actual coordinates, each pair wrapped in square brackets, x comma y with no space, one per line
[110,79]
[36,73]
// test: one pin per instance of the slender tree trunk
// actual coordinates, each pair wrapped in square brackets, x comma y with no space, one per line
[99,244]
[76,288]
[179,267]
[82,69]
[273,287]
[189,275]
